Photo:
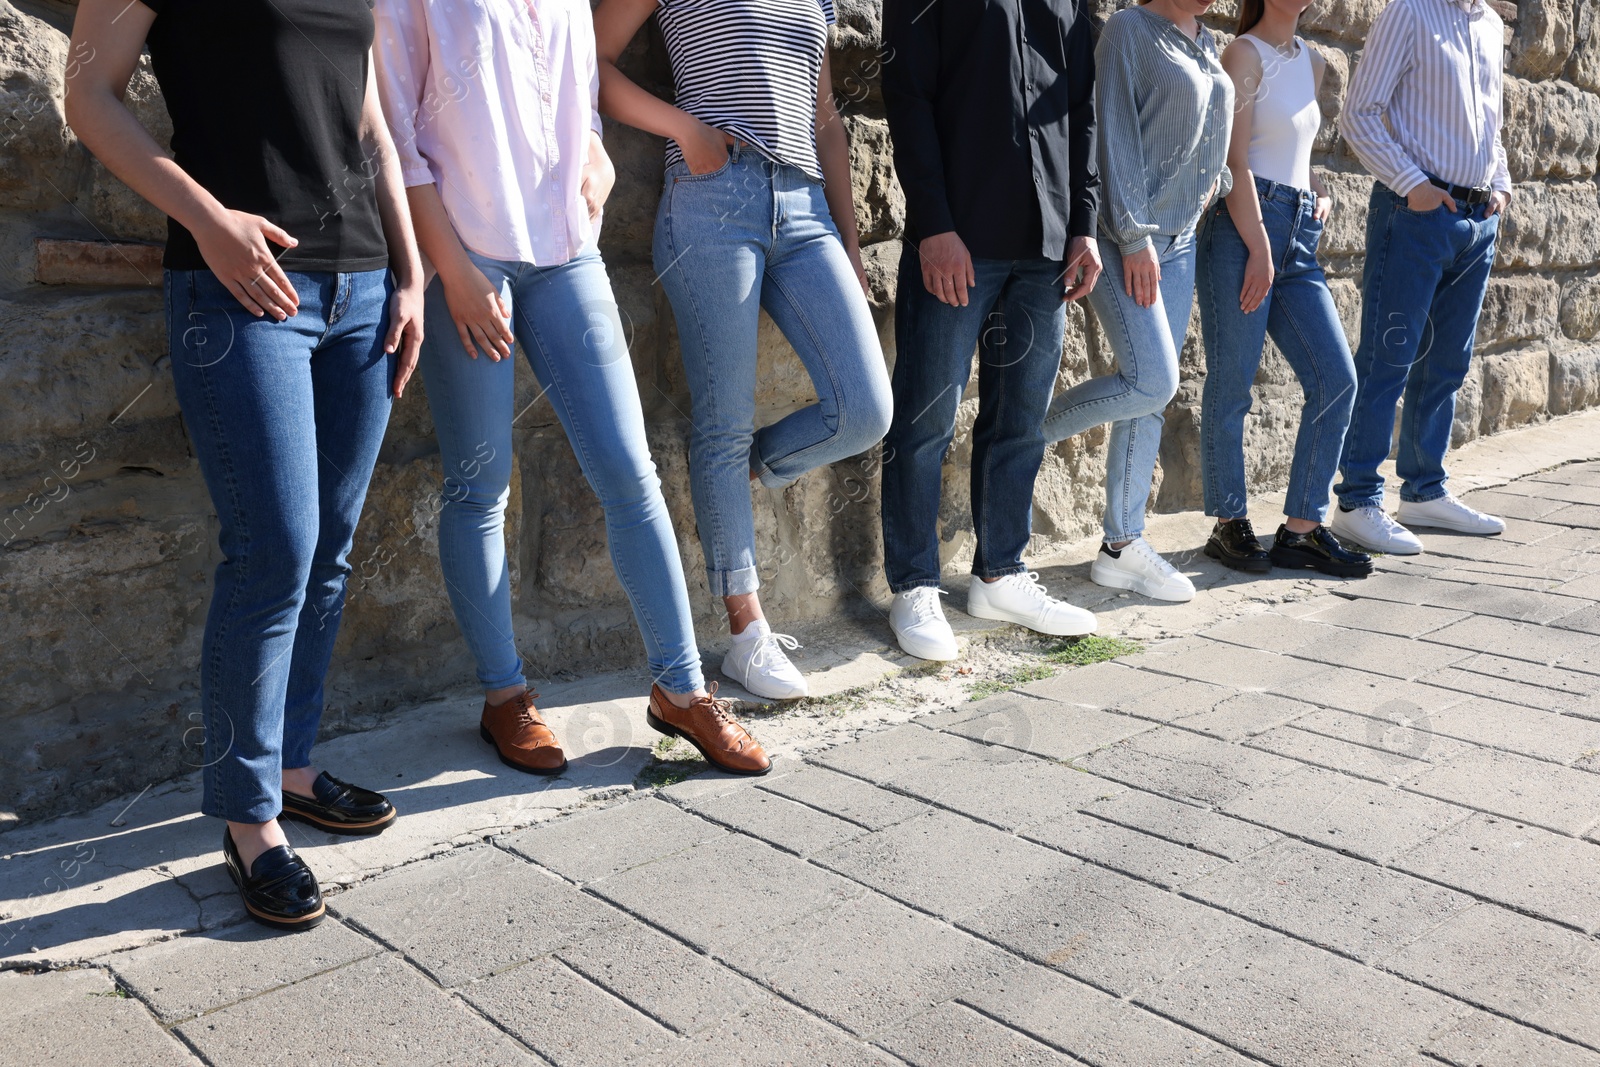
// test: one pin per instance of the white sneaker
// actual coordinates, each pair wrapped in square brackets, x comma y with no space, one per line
[1373,529]
[758,662]
[1022,599]
[1448,513]
[1139,567]
[919,624]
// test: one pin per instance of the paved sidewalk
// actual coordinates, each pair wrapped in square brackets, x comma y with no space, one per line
[1354,823]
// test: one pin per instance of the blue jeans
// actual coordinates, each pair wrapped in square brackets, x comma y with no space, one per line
[757,234]
[566,320]
[285,419]
[1298,313]
[1014,318]
[1146,342]
[1421,290]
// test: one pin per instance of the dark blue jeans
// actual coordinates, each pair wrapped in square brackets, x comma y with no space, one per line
[1014,319]
[1298,313]
[285,419]
[1421,291]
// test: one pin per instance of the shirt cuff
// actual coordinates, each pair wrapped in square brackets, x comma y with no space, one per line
[1139,245]
[1404,183]
[414,176]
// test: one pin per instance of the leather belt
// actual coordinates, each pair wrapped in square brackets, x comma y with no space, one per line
[1464,193]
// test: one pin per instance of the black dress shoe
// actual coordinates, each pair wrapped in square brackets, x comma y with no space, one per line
[1321,550]
[339,807]
[1234,545]
[280,891]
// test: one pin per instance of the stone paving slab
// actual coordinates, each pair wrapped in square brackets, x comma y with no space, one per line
[1313,822]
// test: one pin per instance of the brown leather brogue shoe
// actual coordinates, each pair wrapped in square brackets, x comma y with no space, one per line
[521,737]
[708,724]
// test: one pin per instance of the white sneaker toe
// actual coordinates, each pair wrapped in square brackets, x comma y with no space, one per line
[1140,568]
[1448,513]
[1373,529]
[761,664]
[1023,599]
[919,625]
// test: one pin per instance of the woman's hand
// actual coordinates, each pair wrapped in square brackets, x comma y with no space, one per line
[598,177]
[478,312]
[405,331]
[704,148]
[1258,274]
[854,252]
[1141,275]
[234,245]
[1324,207]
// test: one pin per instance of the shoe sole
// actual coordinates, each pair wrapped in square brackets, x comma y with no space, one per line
[907,647]
[661,726]
[1249,566]
[483,732]
[1133,585]
[748,688]
[353,829]
[1336,570]
[980,613]
[1433,524]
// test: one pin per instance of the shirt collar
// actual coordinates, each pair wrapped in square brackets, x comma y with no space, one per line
[1469,6]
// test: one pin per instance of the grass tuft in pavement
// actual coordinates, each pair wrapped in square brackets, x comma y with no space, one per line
[674,760]
[1082,651]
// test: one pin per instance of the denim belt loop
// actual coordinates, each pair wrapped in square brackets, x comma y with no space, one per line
[733,150]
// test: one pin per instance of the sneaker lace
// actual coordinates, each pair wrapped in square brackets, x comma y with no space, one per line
[771,647]
[1385,521]
[925,603]
[1028,582]
[1154,558]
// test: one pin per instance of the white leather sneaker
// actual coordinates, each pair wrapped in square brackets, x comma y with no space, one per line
[919,624]
[758,662]
[1448,513]
[1373,529]
[1139,567]
[1022,599]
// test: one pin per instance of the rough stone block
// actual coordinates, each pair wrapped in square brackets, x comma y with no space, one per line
[1516,389]
[1402,620]
[1526,790]
[77,1017]
[848,798]
[1580,308]
[1552,129]
[1362,818]
[1485,1038]
[1575,376]
[1222,664]
[1100,685]
[1364,693]
[1318,895]
[775,1034]
[592,845]
[1396,657]
[1545,34]
[1537,644]
[1336,754]
[1152,859]
[955,1036]
[98,263]
[1185,824]
[1188,767]
[1345,233]
[1553,227]
[1516,864]
[1519,308]
[473,912]
[778,821]
[1345,20]
[331,1019]
[1055,730]
[568,1019]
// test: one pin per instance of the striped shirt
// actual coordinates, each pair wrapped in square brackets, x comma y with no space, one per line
[750,68]
[1432,69]
[1164,107]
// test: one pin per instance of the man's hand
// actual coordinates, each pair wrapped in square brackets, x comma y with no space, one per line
[1498,203]
[1141,275]
[1083,267]
[1428,196]
[947,268]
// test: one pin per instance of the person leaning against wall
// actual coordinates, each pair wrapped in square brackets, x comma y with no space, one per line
[1257,275]
[1423,115]
[294,312]
[506,183]
[1163,107]
[1001,190]
[756,213]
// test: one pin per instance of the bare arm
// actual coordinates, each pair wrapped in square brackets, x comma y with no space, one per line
[1319,67]
[107,37]
[1243,64]
[615,24]
[833,153]
[405,309]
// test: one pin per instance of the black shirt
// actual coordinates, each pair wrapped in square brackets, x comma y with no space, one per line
[265,98]
[991,107]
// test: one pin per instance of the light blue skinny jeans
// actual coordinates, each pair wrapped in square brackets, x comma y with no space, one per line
[565,318]
[1146,342]
[757,234]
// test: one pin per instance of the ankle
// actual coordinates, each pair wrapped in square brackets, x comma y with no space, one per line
[252,839]
[500,696]
[684,700]
[299,780]
[1118,546]
[1299,526]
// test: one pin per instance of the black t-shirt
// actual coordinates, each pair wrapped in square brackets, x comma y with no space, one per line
[265,98]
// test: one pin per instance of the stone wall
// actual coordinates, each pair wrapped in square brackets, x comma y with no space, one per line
[109,537]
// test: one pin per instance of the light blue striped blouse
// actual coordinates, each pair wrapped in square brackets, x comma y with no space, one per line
[1164,107]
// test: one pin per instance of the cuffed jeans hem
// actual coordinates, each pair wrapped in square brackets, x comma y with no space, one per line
[262,810]
[772,479]
[916,583]
[1111,536]
[1245,514]
[1408,497]
[505,681]
[681,681]
[1355,502]
[734,583]
[995,573]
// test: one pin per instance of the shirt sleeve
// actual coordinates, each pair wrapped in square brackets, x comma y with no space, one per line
[1082,159]
[400,58]
[1384,62]
[910,86]
[1126,219]
[828,14]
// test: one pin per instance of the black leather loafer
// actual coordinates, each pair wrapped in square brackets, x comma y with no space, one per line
[340,808]
[280,891]
[1320,550]
[1234,544]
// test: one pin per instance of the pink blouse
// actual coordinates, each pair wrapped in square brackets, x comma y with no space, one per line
[493,101]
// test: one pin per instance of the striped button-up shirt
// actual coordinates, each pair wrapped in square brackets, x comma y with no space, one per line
[1426,96]
[1164,106]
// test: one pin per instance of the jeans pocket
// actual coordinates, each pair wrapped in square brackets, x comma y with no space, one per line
[690,176]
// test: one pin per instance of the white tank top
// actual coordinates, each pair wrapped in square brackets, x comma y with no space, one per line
[1286,115]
